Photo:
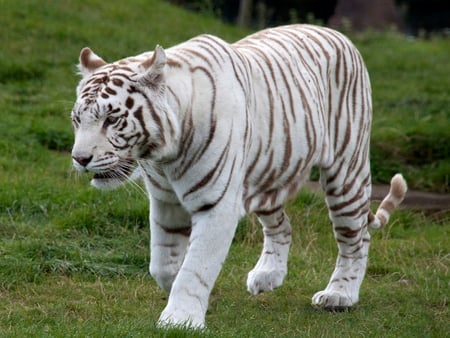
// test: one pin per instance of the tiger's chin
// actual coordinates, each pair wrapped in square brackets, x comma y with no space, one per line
[112,179]
[106,183]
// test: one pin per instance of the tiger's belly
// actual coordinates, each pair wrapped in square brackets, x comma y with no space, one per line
[272,178]
[274,196]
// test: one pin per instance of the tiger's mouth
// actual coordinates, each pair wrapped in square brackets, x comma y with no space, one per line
[120,173]
[113,177]
[112,174]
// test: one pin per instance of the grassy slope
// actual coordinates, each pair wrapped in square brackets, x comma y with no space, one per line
[73,260]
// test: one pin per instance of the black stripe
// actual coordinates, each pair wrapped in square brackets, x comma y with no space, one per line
[213,204]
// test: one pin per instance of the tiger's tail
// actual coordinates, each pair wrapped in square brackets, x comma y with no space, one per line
[395,196]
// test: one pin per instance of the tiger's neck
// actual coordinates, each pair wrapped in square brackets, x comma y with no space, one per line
[172,107]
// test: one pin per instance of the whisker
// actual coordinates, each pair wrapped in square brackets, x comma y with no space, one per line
[132,178]
[75,175]
[136,187]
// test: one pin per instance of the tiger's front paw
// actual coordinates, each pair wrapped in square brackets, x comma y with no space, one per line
[180,318]
[264,280]
[332,300]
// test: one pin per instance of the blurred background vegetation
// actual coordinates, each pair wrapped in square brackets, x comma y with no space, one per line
[410,16]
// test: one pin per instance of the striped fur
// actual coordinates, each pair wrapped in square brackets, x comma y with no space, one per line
[220,131]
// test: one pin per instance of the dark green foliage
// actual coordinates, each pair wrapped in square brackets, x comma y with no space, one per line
[54,139]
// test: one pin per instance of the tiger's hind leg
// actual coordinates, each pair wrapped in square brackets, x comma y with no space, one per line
[348,201]
[271,268]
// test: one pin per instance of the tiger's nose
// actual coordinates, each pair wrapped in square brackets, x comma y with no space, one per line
[83,160]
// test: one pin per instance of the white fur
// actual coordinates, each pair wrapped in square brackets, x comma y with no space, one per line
[259,125]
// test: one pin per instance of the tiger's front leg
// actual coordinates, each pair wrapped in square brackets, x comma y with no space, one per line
[170,227]
[210,240]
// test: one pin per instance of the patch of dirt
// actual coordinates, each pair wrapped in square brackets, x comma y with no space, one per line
[414,200]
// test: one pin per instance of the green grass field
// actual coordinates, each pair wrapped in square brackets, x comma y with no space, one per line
[74,261]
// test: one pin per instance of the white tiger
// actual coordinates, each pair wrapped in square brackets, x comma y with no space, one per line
[222,130]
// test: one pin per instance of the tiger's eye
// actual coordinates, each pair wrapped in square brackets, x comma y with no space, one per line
[111,120]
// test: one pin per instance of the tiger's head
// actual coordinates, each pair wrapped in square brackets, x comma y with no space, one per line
[121,115]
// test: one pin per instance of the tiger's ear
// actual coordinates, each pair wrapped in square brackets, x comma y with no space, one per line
[153,69]
[89,62]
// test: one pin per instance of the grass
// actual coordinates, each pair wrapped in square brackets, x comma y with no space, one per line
[73,260]
[411,108]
